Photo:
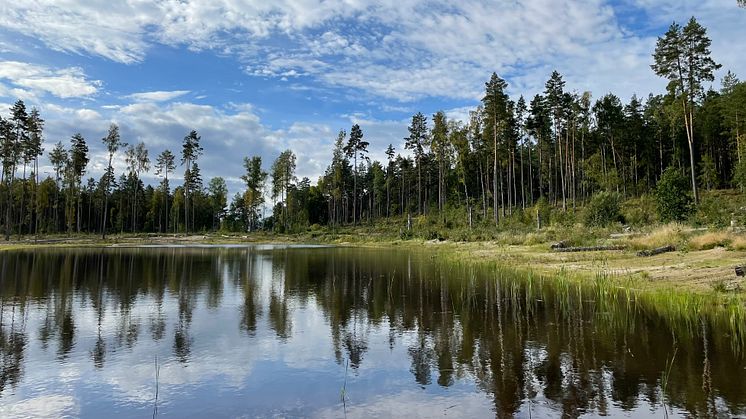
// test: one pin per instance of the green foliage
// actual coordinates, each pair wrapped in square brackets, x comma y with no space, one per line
[640,211]
[739,175]
[543,211]
[673,197]
[603,209]
[712,211]
[708,175]
[564,218]
[505,155]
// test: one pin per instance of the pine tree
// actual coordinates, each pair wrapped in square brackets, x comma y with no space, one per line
[165,164]
[442,150]
[137,161]
[682,55]
[355,148]
[495,103]
[76,168]
[416,141]
[58,157]
[390,152]
[191,150]
[113,142]
[254,178]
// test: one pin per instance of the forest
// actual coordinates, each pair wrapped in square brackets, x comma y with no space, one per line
[513,160]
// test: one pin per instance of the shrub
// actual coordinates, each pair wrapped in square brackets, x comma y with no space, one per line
[603,209]
[640,211]
[564,218]
[713,210]
[673,197]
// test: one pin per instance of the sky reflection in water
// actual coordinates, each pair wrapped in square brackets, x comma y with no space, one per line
[265,331]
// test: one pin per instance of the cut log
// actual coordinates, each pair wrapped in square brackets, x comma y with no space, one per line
[656,251]
[559,245]
[590,249]
[740,270]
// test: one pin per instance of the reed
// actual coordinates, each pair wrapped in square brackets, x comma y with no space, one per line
[614,300]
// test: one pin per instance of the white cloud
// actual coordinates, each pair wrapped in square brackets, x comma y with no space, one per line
[398,49]
[157,96]
[417,404]
[35,79]
[115,30]
[46,406]
[228,134]
[392,51]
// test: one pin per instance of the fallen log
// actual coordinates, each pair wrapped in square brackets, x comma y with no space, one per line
[740,270]
[656,251]
[590,249]
[559,245]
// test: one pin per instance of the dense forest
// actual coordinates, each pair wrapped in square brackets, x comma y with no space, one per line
[560,148]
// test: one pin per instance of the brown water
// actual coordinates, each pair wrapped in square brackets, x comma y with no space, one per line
[270,331]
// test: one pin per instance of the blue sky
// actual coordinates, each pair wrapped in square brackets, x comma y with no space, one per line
[254,77]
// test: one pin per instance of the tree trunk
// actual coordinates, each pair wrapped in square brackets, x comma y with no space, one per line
[494,173]
[690,134]
[106,201]
[165,198]
[354,193]
[8,217]
[419,186]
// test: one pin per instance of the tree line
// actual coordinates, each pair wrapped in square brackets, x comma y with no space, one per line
[65,202]
[559,147]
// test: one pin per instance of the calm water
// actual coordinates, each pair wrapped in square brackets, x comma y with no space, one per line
[327,332]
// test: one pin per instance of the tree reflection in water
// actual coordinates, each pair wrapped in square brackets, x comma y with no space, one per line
[526,342]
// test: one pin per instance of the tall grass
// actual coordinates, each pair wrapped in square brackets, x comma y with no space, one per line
[710,240]
[618,300]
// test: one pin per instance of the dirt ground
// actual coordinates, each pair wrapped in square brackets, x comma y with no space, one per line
[692,270]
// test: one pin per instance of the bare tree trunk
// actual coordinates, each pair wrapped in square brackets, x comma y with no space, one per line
[561,165]
[23,202]
[419,186]
[8,226]
[494,173]
[484,195]
[690,137]
[512,177]
[530,177]
[35,197]
[523,183]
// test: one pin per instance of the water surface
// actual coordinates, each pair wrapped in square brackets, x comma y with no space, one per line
[268,331]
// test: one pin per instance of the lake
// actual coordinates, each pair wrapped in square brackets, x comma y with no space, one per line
[302,331]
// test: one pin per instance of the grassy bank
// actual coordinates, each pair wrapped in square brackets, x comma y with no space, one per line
[703,261]
[693,283]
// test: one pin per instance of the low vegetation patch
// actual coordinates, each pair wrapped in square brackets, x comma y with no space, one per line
[710,240]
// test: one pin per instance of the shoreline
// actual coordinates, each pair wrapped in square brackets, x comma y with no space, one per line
[707,271]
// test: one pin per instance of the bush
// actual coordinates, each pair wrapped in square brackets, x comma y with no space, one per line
[713,210]
[603,210]
[564,218]
[640,211]
[673,196]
